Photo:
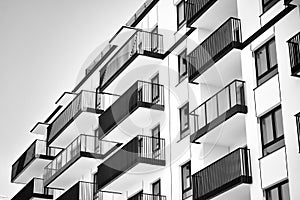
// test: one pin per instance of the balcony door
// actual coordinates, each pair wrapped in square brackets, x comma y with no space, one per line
[155,88]
[156,190]
[154,39]
[156,141]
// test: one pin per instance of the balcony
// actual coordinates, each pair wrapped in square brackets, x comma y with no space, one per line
[35,190]
[142,154]
[141,13]
[225,43]
[88,191]
[146,44]
[143,102]
[77,159]
[32,161]
[227,178]
[294,49]
[208,13]
[227,107]
[78,116]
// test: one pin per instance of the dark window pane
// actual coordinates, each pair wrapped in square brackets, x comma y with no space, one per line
[186,180]
[272,54]
[285,192]
[184,120]
[180,13]
[182,66]
[278,123]
[267,129]
[156,188]
[261,61]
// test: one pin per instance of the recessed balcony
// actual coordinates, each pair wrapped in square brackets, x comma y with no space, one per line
[140,46]
[294,49]
[32,161]
[227,178]
[141,13]
[84,153]
[78,116]
[88,191]
[227,108]
[136,107]
[35,190]
[220,51]
[142,154]
[208,13]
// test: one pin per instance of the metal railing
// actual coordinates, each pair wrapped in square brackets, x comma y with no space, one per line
[193,7]
[294,49]
[144,149]
[104,100]
[83,143]
[139,12]
[139,42]
[84,101]
[222,173]
[88,191]
[150,94]
[215,106]
[227,35]
[35,186]
[38,147]
[144,196]
[98,58]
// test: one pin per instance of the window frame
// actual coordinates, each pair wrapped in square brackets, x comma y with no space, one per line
[156,147]
[182,56]
[279,189]
[185,190]
[182,131]
[153,185]
[155,88]
[275,139]
[180,24]
[271,70]
[154,39]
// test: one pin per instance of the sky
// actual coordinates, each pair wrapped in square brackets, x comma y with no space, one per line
[43,45]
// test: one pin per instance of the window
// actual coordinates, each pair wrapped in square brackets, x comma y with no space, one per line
[186,180]
[155,88]
[154,39]
[267,4]
[266,62]
[156,138]
[182,66]
[156,189]
[278,192]
[180,14]
[184,120]
[272,131]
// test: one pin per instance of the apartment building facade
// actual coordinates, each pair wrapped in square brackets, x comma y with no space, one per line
[190,99]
